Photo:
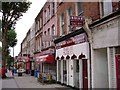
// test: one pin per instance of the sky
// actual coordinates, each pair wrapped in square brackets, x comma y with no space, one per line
[26,21]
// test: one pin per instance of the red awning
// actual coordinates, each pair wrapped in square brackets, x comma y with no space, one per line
[46,58]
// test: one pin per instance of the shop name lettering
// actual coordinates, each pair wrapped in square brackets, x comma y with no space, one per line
[72,41]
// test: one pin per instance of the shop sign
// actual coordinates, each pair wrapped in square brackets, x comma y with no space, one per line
[68,50]
[81,38]
[76,21]
[49,51]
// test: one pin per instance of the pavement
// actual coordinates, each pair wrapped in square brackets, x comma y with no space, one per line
[27,81]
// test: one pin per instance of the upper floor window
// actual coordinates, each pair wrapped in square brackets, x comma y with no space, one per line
[69,13]
[106,7]
[53,29]
[45,33]
[36,27]
[49,12]
[79,8]
[62,24]
[53,8]
[45,19]
[60,1]
[40,23]
[48,31]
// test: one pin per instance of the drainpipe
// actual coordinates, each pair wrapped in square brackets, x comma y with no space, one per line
[88,31]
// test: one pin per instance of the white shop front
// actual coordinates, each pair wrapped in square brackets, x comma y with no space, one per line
[72,55]
[105,61]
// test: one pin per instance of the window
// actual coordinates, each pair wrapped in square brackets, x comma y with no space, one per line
[106,7]
[44,41]
[60,1]
[53,8]
[45,19]
[48,42]
[45,33]
[40,23]
[48,31]
[48,12]
[62,24]
[53,30]
[79,8]
[69,13]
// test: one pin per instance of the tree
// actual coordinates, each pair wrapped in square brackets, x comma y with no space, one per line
[11,13]
[12,41]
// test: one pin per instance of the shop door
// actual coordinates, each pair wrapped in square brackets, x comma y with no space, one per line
[85,73]
[71,79]
[76,73]
[64,72]
[118,71]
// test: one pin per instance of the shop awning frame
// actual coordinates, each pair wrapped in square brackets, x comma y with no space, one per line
[46,58]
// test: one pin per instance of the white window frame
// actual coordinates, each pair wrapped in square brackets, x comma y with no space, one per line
[40,23]
[69,13]
[62,24]
[53,30]
[53,9]
[105,11]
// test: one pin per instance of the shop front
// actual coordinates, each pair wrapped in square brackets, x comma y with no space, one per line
[27,64]
[46,66]
[72,56]
[32,67]
[105,53]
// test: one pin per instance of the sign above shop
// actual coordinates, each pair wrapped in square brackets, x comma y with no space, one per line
[76,21]
[81,38]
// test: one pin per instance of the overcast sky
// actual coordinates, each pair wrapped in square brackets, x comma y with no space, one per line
[26,21]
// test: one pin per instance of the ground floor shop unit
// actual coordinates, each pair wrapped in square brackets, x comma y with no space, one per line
[74,70]
[105,51]
[73,63]
[45,65]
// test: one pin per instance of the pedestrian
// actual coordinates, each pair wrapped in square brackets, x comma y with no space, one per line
[3,72]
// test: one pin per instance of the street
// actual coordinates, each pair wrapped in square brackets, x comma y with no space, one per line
[27,81]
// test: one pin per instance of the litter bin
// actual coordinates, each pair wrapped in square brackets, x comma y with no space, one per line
[35,73]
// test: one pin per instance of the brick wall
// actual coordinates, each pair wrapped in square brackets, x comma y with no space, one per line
[62,8]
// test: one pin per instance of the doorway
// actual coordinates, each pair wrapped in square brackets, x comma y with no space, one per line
[76,73]
[84,73]
[118,70]
[64,72]
[59,70]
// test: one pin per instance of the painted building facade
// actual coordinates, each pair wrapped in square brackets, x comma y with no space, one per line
[46,31]
[105,46]
[72,47]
